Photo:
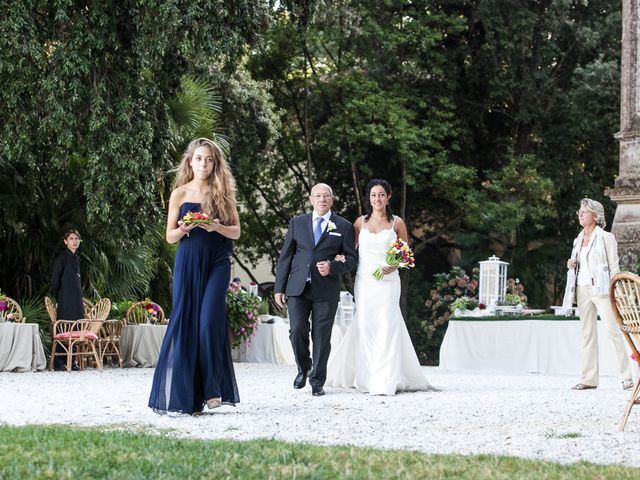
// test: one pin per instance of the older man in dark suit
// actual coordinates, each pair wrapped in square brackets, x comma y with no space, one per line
[309,276]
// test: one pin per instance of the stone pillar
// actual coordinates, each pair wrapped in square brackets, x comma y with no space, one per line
[626,224]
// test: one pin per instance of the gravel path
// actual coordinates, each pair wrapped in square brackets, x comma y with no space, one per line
[529,416]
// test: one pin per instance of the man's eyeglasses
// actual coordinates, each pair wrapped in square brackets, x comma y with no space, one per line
[318,196]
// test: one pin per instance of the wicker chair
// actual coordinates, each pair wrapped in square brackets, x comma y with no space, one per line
[108,334]
[137,314]
[88,308]
[109,340]
[624,293]
[80,338]
[77,338]
[51,309]
[13,309]
[100,311]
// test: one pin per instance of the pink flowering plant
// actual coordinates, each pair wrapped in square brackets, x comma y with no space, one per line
[242,313]
[515,293]
[4,308]
[453,287]
[457,289]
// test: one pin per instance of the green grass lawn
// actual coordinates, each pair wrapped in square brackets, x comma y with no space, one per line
[60,452]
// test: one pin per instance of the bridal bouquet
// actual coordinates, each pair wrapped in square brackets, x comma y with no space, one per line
[399,255]
[197,217]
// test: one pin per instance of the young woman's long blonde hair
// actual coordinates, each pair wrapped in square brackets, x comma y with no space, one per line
[221,200]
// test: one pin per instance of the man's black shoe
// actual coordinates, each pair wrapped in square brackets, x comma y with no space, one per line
[317,391]
[300,381]
[75,367]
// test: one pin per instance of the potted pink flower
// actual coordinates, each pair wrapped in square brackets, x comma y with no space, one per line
[242,314]
[151,312]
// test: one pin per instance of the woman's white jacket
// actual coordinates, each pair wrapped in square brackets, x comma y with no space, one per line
[602,261]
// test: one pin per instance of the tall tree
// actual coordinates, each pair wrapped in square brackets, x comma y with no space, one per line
[362,92]
[538,80]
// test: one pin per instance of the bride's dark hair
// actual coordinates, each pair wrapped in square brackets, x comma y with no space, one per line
[387,188]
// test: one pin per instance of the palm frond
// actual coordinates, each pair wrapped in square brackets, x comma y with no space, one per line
[34,311]
[195,112]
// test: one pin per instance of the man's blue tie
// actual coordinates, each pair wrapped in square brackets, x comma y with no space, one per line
[317,231]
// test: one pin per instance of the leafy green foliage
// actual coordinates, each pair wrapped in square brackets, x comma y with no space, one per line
[119,308]
[514,196]
[264,189]
[538,98]
[361,91]
[462,304]
[86,133]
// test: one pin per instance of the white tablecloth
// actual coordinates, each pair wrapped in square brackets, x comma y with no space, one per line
[140,344]
[21,347]
[272,345]
[544,346]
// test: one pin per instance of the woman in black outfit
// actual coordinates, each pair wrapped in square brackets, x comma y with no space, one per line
[66,286]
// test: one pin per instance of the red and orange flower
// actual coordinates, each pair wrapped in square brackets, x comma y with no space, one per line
[195,217]
[151,308]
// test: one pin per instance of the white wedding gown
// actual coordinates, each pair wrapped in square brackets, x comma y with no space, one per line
[376,354]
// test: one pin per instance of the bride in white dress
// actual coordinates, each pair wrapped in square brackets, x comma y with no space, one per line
[376,354]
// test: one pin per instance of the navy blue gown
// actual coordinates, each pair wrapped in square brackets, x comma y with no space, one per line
[195,359]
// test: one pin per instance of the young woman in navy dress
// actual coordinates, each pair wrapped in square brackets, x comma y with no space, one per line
[194,368]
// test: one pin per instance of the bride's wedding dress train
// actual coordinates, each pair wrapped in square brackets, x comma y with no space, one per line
[376,354]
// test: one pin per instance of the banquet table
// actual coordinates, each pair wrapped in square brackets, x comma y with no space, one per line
[21,347]
[140,344]
[542,346]
[272,345]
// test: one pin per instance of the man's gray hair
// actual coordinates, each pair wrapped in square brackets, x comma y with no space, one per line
[322,185]
[596,208]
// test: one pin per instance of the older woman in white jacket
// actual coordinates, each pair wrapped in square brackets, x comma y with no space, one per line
[594,260]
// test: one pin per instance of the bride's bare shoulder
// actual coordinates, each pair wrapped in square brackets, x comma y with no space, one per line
[398,220]
[358,222]
[400,228]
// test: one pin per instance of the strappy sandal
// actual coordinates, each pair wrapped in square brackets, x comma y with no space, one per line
[627,384]
[582,386]
[214,403]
